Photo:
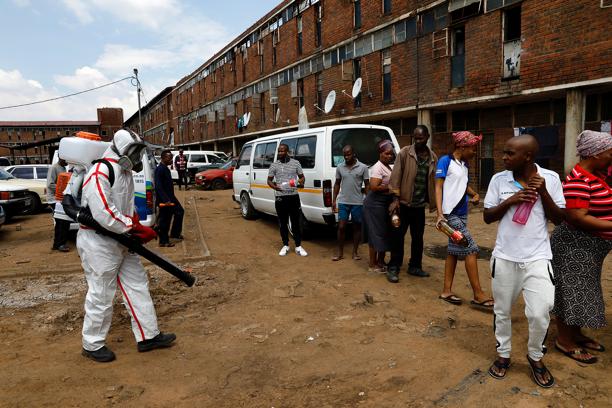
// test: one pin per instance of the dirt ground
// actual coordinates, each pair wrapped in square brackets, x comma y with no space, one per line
[263,331]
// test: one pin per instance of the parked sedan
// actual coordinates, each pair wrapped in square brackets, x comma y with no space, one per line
[217,179]
[37,189]
[30,171]
[15,200]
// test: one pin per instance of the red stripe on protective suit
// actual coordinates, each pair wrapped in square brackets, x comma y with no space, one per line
[93,174]
[127,299]
[112,214]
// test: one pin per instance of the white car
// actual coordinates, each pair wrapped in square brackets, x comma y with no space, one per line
[37,190]
[30,171]
[14,199]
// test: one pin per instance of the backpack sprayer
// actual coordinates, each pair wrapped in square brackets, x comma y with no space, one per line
[81,152]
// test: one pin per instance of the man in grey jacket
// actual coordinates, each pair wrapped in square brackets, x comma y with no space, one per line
[412,185]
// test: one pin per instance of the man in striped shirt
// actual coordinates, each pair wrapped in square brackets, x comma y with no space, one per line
[285,177]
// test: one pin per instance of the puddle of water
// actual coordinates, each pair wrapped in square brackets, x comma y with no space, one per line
[439,252]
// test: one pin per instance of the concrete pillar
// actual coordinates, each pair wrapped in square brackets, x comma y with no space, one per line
[234,152]
[425,117]
[575,102]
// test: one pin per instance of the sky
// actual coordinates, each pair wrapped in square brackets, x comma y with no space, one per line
[51,48]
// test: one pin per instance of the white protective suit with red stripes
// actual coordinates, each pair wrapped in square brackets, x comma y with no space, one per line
[108,264]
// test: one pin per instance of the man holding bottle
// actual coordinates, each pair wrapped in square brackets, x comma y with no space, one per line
[523,198]
[285,177]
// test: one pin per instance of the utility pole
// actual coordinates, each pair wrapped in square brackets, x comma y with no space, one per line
[139,113]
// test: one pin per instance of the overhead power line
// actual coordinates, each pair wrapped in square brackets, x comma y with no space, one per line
[65,96]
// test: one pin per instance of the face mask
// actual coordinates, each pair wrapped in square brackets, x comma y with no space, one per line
[132,159]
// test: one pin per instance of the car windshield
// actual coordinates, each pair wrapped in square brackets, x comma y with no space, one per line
[230,163]
[5,175]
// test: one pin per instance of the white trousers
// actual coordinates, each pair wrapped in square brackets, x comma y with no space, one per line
[107,264]
[535,280]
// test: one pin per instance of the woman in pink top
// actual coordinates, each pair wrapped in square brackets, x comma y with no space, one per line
[376,222]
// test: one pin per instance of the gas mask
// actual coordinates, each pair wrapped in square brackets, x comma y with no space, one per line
[130,159]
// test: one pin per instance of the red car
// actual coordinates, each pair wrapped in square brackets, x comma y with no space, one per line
[217,179]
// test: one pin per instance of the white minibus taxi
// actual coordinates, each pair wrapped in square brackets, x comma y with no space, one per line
[319,150]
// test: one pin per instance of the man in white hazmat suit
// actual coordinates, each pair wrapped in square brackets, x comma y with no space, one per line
[109,194]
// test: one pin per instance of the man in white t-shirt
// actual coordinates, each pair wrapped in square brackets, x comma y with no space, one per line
[522,254]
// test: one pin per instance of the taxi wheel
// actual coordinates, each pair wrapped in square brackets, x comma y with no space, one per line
[246,208]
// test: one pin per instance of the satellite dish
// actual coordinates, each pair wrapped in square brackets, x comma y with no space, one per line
[357,87]
[330,101]
[247,118]
[277,115]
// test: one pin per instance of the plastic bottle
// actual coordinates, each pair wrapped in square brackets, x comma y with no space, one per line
[396,221]
[521,214]
[288,185]
[456,236]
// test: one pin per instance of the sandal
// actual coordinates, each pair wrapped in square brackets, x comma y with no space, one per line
[452,299]
[535,371]
[356,258]
[486,304]
[498,363]
[573,354]
[337,258]
[591,344]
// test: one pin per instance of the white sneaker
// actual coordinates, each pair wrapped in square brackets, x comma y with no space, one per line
[284,251]
[301,251]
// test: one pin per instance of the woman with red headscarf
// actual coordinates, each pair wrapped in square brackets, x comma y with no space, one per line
[376,225]
[452,191]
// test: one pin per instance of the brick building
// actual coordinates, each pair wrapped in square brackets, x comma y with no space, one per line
[489,66]
[36,141]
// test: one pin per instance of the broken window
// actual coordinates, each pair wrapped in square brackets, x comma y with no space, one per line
[512,42]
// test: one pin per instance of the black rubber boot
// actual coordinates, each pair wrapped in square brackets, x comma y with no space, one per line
[102,355]
[160,341]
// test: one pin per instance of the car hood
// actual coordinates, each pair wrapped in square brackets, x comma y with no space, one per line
[32,185]
[8,185]
[211,173]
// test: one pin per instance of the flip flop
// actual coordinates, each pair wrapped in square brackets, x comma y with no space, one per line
[585,343]
[574,353]
[483,305]
[337,258]
[499,364]
[540,370]
[452,299]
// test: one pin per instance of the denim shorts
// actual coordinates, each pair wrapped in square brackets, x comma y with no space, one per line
[355,211]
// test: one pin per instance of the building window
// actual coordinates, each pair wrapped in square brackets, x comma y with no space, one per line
[386,6]
[260,51]
[299,34]
[320,102]
[300,89]
[386,76]
[274,56]
[491,5]
[318,23]
[434,19]
[262,108]
[439,124]
[357,14]
[512,42]
[357,74]
[458,57]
